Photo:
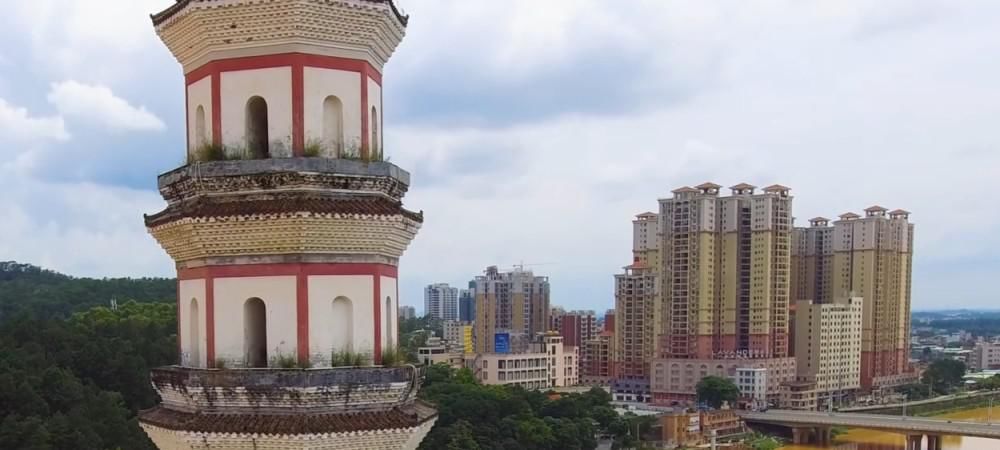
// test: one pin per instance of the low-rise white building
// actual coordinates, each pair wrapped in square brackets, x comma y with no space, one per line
[548,364]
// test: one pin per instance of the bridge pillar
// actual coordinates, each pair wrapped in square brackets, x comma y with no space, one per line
[801,436]
[934,442]
[824,436]
[913,441]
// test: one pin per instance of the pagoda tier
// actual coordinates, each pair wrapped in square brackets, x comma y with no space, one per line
[314,210]
[200,31]
[342,408]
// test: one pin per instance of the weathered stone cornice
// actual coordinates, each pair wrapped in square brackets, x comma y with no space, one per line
[283,174]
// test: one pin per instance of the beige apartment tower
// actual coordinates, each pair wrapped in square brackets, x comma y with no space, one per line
[828,347]
[726,269]
[515,303]
[868,257]
[634,335]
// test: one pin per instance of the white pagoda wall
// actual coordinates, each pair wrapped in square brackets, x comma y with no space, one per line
[187,290]
[278,294]
[318,84]
[323,290]
[199,93]
[274,85]
[375,100]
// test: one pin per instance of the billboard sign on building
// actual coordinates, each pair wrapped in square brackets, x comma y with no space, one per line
[501,343]
[467,339]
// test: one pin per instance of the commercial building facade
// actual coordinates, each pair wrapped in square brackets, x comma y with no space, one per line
[985,356]
[514,304]
[549,364]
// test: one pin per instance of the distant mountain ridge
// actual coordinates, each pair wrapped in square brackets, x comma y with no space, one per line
[38,292]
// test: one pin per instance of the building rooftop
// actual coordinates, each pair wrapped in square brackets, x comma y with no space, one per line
[848,216]
[743,186]
[708,185]
[684,189]
[777,188]
[875,208]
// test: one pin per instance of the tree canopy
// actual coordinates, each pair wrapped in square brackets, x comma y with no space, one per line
[714,391]
[944,374]
[76,376]
[474,416]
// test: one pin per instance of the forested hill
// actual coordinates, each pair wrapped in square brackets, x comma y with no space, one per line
[37,292]
[73,371]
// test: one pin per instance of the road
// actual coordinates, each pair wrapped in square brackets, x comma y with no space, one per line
[899,424]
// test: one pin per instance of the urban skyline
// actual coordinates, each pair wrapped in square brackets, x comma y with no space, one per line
[708,111]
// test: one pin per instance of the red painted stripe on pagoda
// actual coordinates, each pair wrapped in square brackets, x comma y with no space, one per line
[298,109]
[365,145]
[209,320]
[302,317]
[179,351]
[377,280]
[216,108]
[287,269]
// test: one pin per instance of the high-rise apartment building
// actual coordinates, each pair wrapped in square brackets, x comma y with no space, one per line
[597,368]
[868,257]
[726,265]
[556,314]
[441,301]
[725,269]
[407,312]
[467,304]
[646,239]
[515,304]
[635,295]
[577,328]
[828,346]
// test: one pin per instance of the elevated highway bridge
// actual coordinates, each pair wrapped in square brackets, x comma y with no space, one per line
[809,426]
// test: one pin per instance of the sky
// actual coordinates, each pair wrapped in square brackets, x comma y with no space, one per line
[535,131]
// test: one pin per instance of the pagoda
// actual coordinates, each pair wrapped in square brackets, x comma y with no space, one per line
[286,226]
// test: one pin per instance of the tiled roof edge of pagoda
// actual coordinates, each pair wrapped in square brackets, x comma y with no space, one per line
[166,14]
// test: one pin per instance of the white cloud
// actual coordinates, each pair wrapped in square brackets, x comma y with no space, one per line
[79,228]
[98,104]
[84,40]
[844,106]
[16,124]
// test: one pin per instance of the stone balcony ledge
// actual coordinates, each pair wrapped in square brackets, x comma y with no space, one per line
[285,391]
[283,174]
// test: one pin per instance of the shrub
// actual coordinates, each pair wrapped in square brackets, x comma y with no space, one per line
[393,357]
[208,151]
[313,148]
[347,358]
[285,361]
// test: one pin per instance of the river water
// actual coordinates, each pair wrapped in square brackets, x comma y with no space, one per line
[879,440]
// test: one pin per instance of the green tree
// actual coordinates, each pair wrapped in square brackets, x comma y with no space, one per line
[944,374]
[716,390]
